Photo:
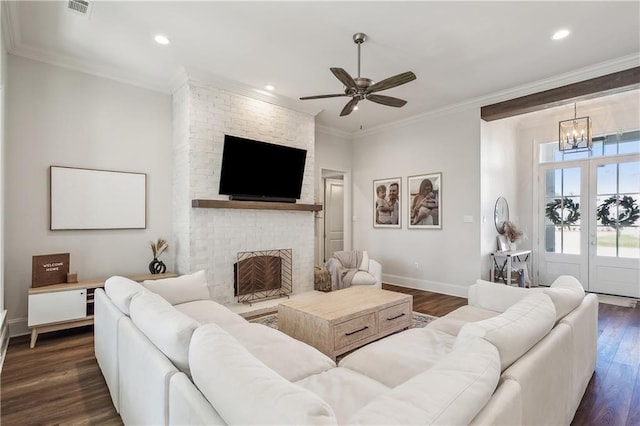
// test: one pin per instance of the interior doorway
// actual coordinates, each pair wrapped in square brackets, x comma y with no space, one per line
[334,230]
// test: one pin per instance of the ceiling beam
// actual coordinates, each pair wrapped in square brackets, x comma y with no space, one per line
[600,86]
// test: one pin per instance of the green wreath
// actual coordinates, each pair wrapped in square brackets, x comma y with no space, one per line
[553,209]
[628,212]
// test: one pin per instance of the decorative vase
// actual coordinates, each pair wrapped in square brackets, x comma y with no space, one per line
[513,246]
[157,266]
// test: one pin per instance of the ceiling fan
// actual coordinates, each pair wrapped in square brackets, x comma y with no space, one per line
[362,88]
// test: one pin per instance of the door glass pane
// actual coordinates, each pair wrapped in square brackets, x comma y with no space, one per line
[630,177]
[617,210]
[562,211]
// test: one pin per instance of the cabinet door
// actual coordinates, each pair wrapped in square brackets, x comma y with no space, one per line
[57,306]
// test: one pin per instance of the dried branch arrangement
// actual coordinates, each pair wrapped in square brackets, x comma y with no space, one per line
[512,232]
[159,247]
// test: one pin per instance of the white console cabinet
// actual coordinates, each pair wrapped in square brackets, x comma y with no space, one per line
[62,306]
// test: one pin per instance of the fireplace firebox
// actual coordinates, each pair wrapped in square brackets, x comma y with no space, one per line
[260,275]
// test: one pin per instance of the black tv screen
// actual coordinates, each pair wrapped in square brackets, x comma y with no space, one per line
[261,171]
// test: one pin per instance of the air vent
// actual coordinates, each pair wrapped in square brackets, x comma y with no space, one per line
[79,6]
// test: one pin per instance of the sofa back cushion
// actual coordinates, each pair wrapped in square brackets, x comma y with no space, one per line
[182,289]
[566,293]
[167,328]
[514,331]
[121,290]
[452,392]
[245,391]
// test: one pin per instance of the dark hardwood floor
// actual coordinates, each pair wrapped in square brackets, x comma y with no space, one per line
[59,382]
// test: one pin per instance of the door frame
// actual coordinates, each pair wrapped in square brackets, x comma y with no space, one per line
[347,206]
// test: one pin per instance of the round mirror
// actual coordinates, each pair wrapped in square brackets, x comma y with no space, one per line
[500,213]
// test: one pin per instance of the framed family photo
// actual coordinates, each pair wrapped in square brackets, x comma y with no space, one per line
[386,203]
[424,204]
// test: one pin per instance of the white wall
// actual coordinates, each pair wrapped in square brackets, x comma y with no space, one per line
[3,79]
[448,259]
[499,164]
[333,152]
[61,117]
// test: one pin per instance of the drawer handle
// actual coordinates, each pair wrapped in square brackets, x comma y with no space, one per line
[357,331]
[396,317]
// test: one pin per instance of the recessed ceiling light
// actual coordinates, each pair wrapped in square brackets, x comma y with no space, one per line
[355,108]
[560,34]
[270,87]
[160,39]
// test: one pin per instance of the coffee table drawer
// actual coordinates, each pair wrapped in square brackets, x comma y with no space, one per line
[354,330]
[395,317]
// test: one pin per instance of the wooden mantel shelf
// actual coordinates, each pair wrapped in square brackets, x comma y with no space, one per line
[259,205]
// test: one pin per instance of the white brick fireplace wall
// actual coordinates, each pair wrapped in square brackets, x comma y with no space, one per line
[210,239]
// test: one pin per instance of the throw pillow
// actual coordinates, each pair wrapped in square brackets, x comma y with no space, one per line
[182,289]
[364,265]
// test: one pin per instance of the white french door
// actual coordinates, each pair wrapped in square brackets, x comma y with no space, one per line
[584,224]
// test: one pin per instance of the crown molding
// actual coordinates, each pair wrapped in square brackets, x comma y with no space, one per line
[578,75]
[330,131]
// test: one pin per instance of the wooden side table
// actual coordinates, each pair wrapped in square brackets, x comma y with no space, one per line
[504,268]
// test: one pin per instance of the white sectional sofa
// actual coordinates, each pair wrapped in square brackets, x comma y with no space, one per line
[512,356]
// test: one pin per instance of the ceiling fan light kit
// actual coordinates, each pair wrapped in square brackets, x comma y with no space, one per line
[361,88]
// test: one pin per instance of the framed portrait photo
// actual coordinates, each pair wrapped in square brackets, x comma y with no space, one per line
[424,203]
[387,203]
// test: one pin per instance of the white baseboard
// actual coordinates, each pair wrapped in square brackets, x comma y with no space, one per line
[434,286]
[4,337]
[18,327]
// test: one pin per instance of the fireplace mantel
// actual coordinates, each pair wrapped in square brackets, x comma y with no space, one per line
[259,205]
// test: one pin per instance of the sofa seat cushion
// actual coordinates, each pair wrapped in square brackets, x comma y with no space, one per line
[208,311]
[454,320]
[182,289]
[290,358]
[401,356]
[344,390]
[245,391]
[167,328]
[121,290]
[452,392]
[514,331]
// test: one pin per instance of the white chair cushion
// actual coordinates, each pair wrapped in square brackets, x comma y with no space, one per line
[182,289]
[363,278]
[245,391]
[167,328]
[208,311]
[364,265]
[121,290]
[450,393]
[514,331]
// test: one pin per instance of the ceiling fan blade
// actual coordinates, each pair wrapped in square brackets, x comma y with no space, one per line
[323,96]
[387,100]
[390,82]
[345,78]
[349,106]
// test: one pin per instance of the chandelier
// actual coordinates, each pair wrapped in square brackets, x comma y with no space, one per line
[574,135]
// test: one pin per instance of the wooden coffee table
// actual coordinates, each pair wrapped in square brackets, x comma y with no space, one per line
[343,320]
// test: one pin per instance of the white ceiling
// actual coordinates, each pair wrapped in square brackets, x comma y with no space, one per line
[461,52]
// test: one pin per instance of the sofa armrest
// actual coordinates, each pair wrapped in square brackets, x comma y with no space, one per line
[375,269]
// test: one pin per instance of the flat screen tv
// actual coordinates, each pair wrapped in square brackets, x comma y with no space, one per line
[261,171]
